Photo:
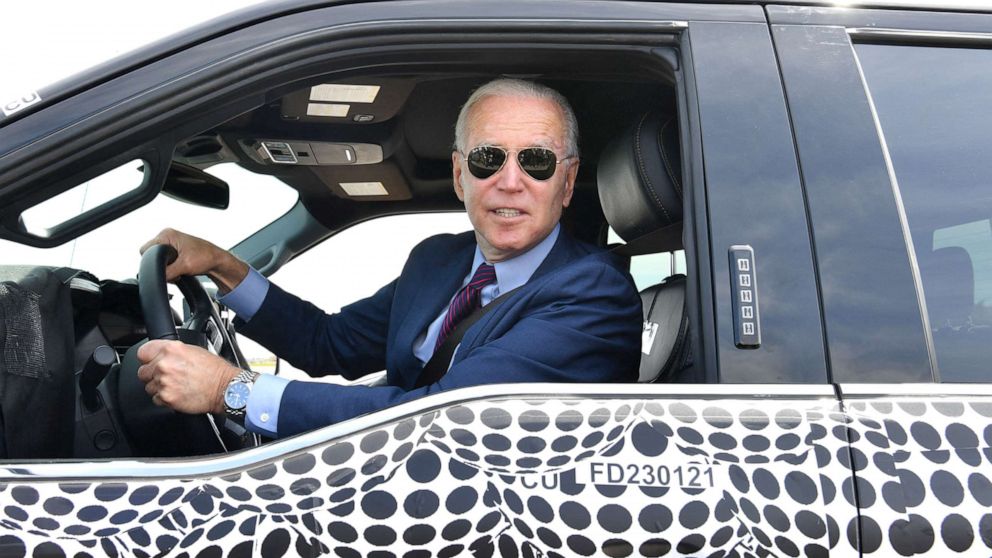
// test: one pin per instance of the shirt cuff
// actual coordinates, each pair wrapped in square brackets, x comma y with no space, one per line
[262,416]
[247,297]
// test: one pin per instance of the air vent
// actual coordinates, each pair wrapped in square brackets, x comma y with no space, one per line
[279,152]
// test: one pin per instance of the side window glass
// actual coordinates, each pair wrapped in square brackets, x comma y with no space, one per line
[111,251]
[352,265]
[84,197]
[651,269]
[933,106]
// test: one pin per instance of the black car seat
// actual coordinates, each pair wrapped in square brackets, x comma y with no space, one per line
[640,189]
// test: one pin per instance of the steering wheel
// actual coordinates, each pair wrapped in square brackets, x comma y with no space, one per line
[159,431]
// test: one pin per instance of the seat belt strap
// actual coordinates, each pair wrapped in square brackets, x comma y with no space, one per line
[437,366]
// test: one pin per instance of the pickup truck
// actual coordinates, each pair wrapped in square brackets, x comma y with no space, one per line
[804,193]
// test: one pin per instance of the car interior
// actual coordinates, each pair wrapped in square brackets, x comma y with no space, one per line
[356,146]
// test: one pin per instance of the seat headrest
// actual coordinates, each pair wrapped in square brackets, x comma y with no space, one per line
[640,178]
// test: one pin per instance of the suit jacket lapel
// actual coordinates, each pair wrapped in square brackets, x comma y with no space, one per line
[440,286]
[436,281]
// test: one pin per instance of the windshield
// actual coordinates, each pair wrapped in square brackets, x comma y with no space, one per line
[111,251]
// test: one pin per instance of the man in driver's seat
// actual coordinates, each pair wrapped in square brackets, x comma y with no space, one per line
[569,312]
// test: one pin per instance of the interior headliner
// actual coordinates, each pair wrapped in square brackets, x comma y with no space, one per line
[412,119]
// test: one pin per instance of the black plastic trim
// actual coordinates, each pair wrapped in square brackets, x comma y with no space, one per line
[695,235]
[938,18]
[156,167]
[269,11]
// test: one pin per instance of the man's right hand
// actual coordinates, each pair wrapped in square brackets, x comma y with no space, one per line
[185,378]
[199,257]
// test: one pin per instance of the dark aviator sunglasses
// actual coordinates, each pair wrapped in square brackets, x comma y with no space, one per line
[538,162]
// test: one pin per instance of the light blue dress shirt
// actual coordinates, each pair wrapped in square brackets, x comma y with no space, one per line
[262,415]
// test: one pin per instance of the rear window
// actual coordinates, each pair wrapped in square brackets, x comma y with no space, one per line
[933,105]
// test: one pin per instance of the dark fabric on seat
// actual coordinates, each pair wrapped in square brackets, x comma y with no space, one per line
[37,393]
[3,443]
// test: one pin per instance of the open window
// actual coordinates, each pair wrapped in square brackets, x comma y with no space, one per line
[353,140]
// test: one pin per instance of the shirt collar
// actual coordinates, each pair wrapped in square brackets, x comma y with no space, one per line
[517,270]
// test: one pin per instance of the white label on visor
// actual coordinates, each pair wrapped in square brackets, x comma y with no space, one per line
[323,109]
[364,188]
[344,93]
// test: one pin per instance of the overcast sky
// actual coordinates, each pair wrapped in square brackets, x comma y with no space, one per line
[44,41]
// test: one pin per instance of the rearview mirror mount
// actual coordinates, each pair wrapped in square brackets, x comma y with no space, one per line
[191,185]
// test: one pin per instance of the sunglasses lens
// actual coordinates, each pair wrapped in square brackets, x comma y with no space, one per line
[538,162]
[484,161]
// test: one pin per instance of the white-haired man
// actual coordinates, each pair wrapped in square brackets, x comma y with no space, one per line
[565,311]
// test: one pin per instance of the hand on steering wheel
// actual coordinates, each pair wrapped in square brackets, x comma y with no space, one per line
[207,368]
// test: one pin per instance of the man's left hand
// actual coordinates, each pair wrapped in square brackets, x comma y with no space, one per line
[185,378]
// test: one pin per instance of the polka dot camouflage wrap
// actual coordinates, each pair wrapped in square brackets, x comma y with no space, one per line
[660,477]
[924,475]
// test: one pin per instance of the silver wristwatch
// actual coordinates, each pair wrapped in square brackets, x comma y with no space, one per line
[237,392]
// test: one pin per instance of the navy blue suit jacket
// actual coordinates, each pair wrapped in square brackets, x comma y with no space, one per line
[578,319]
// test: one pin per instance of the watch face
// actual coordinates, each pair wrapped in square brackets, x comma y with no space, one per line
[236,396]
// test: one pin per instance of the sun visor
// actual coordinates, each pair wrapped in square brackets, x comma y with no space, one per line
[337,102]
[382,182]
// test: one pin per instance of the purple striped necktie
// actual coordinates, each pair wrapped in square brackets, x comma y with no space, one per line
[466,301]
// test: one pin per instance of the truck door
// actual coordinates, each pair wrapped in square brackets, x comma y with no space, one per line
[892,127]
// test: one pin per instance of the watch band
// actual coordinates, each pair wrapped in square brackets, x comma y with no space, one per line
[247,376]
[244,377]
